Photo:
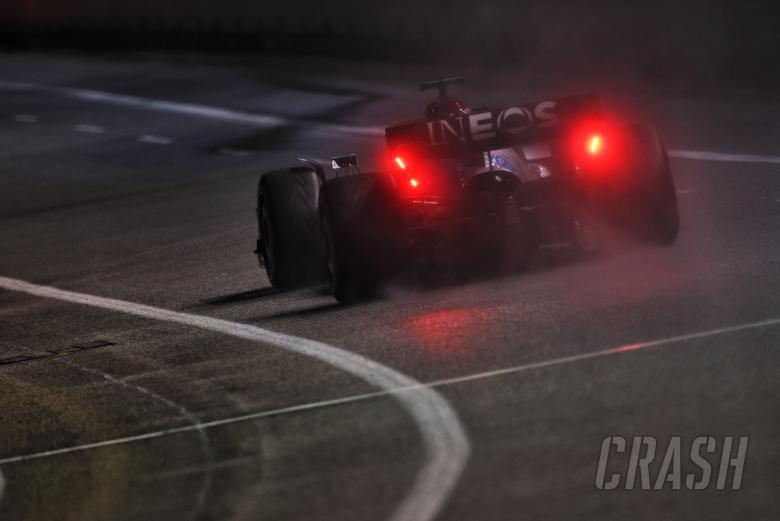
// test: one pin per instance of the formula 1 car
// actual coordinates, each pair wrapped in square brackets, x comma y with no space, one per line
[485,184]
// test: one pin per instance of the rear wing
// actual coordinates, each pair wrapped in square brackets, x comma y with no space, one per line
[487,130]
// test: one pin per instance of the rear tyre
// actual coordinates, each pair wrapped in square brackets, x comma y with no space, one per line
[652,196]
[289,245]
[361,232]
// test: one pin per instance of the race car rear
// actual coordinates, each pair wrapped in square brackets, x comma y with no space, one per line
[487,184]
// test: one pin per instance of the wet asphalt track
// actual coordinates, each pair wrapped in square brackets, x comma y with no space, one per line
[156,207]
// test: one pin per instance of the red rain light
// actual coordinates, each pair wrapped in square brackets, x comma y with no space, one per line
[595,144]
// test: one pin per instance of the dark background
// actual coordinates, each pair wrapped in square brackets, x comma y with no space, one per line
[701,41]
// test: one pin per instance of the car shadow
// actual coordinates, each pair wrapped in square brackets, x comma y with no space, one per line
[305,312]
[240,297]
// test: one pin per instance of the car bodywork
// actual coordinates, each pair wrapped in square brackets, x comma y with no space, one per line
[483,182]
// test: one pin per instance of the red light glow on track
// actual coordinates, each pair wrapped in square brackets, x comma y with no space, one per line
[450,332]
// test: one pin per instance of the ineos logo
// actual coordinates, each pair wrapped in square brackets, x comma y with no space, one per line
[489,125]
[514,120]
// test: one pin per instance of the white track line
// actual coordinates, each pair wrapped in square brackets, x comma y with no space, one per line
[446,445]
[191,109]
[155,140]
[183,412]
[606,352]
[378,394]
[395,391]
[89,129]
[703,155]
[25,118]
[265,120]
[209,425]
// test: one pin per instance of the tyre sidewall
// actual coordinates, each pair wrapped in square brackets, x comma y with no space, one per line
[362,226]
[288,203]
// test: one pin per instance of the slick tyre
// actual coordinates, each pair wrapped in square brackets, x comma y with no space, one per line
[652,196]
[289,244]
[360,226]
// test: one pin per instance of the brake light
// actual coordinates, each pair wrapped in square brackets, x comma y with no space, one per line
[417,177]
[412,182]
[597,148]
